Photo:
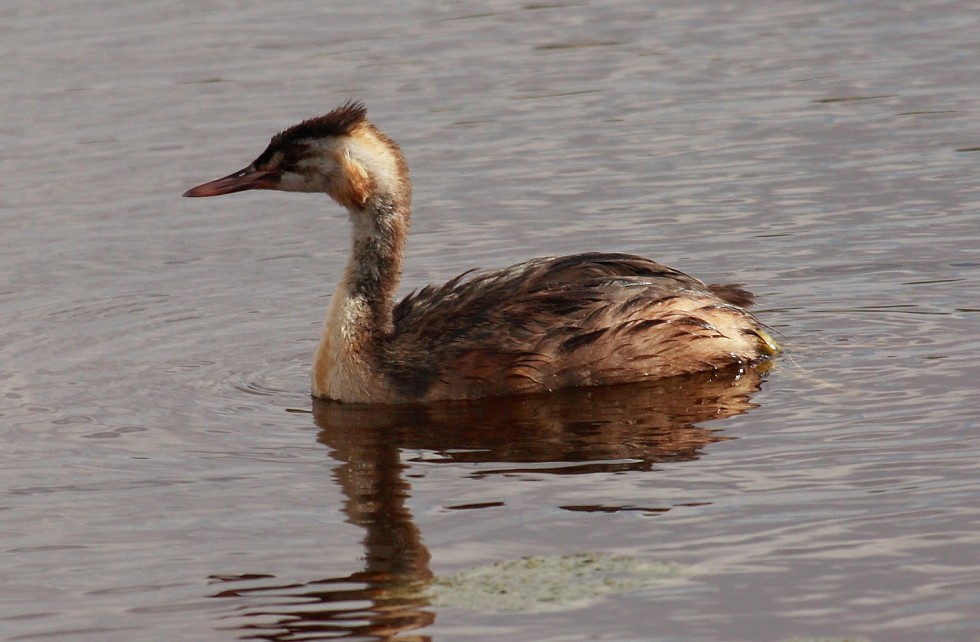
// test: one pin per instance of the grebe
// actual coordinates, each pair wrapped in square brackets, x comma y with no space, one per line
[547,323]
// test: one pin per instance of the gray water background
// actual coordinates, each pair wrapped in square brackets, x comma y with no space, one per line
[162,476]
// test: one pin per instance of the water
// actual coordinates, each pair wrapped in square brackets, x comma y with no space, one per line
[165,475]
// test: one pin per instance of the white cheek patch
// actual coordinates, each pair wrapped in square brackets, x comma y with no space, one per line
[292,182]
[309,175]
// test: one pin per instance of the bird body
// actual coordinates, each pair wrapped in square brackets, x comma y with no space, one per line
[540,325]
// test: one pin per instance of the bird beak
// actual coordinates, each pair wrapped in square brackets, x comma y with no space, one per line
[248,178]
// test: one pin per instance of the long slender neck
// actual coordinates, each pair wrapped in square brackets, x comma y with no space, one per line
[374,267]
[378,195]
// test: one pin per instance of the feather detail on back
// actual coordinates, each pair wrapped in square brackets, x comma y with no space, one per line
[554,322]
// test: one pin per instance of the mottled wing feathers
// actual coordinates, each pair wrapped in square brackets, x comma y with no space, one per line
[562,321]
[546,280]
[733,293]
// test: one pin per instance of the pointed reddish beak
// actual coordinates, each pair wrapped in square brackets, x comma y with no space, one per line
[240,181]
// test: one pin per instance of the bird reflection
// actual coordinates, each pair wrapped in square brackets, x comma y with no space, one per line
[579,431]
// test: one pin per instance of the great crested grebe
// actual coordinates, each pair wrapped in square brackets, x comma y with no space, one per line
[547,323]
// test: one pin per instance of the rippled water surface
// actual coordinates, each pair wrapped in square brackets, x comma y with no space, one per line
[164,474]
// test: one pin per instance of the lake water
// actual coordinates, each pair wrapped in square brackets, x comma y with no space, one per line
[164,474]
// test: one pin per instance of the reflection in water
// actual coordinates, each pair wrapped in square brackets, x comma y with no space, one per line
[577,431]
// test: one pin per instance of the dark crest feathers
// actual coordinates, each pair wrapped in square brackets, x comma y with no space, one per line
[339,122]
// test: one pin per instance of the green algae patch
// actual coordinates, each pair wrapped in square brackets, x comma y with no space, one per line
[550,583]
